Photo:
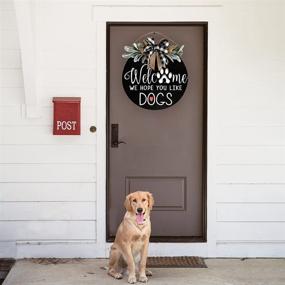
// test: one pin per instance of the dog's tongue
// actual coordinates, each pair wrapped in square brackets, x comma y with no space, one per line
[139,218]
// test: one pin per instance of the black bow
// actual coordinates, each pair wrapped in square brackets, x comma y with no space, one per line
[161,49]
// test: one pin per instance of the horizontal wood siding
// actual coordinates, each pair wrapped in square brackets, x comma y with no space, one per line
[57,154]
[250,231]
[47,230]
[47,183]
[251,212]
[250,142]
[38,172]
[47,211]
[250,193]
[47,191]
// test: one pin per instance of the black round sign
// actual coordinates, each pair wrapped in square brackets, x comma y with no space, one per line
[154,90]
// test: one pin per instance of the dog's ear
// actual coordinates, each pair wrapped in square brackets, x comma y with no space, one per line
[127,203]
[150,200]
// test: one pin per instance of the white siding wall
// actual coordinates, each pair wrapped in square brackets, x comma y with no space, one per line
[250,150]
[48,190]
[47,183]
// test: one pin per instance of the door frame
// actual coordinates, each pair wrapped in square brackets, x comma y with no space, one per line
[190,239]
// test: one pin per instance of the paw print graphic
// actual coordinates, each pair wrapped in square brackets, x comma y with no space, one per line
[164,74]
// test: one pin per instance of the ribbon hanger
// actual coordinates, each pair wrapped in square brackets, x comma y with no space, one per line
[154,34]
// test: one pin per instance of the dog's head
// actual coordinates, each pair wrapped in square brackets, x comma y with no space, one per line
[140,204]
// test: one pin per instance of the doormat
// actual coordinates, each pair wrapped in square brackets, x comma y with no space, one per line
[176,262]
[54,261]
[5,266]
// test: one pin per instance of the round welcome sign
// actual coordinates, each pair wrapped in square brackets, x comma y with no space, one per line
[154,76]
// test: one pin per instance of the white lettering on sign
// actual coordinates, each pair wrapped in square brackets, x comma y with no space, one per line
[151,99]
[66,125]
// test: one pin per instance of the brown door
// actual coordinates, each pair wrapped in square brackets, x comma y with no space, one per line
[163,150]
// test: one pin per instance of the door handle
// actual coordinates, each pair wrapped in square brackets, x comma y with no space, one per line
[115,136]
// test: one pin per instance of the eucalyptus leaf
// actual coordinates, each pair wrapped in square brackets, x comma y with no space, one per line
[181,49]
[169,56]
[129,49]
[176,57]
[140,45]
[137,57]
[127,55]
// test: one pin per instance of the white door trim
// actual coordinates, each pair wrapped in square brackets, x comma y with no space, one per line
[103,13]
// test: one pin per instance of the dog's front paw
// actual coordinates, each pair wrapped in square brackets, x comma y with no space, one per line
[118,276]
[132,279]
[148,272]
[143,278]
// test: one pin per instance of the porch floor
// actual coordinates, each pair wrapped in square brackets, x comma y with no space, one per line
[88,271]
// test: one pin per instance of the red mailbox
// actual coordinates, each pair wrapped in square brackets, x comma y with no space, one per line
[66,115]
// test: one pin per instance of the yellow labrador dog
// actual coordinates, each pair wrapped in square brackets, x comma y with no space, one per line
[131,243]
